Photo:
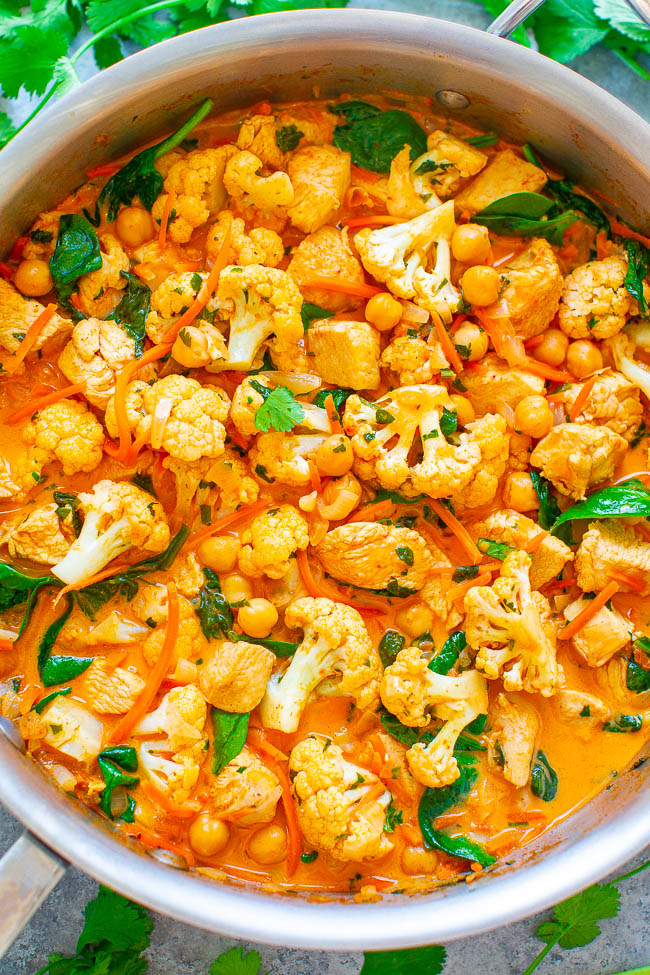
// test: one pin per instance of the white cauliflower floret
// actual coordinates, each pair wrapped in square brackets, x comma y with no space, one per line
[329,793]
[345,353]
[172,298]
[117,517]
[613,402]
[192,482]
[515,529]
[248,187]
[173,762]
[532,290]
[265,310]
[489,434]
[372,555]
[72,729]
[578,456]
[402,199]
[231,476]
[603,635]
[258,246]
[175,414]
[513,732]
[18,313]
[95,355]
[335,644]
[435,595]
[505,173]
[42,237]
[284,457]
[446,165]
[595,303]
[111,690]
[409,690]
[66,432]
[320,176]
[612,545]
[151,604]
[623,348]
[235,676]
[414,360]
[197,182]
[97,288]
[511,630]
[245,791]
[257,134]
[248,399]
[400,257]
[327,253]
[40,535]
[270,542]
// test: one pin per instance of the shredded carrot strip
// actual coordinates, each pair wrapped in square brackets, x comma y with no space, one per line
[123,728]
[165,216]
[506,342]
[635,585]
[295,840]
[453,524]
[371,512]
[30,339]
[332,414]
[340,284]
[18,248]
[316,483]
[106,169]
[450,819]
[206,292]
[383,220]
[187,810]
[449,349]
[307,577]
[5,271]
[412,835]
[533,543]
[259,741]
[546,372]
[135,448]
[37,404]
[374,792]
[98,577]
[588,612]
[581,399]
[533,342]
[224,522]
[378,746]
[144,271]
[482,579]
[190,266]
[159,843]
[121,385]
[559,584]
[624,231]
[506,839]
[6,644]
[523,815]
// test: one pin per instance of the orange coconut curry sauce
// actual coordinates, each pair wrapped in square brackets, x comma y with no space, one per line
[325,557]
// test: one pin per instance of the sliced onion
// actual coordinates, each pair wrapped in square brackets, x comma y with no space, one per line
[413,313]
[558,414]
[161,415]
[308,501]
[296,382]
[507,413]
[65,779]
[315,418]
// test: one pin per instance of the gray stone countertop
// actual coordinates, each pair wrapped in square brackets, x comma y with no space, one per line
[180,950]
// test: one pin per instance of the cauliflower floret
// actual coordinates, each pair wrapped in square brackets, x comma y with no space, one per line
[492,381]
[245,791]
[595,303]
[506,173]
[409,690]
[72,729]
[265,310]
[612,545]
[533,288]
[78,631]
[622,348]
[284,457]
[270,542]
[515,529]
[512,736]
[42,238]
[151,604]
[173,763]
[187,575]
[230,473]
[399,256]
[578,456]
[376,556]
[258,135]
[175,414]
[192,482]
[345,353]
[413,359]
[402,199]
[117,517]
[511,629]
[173,297]
[320,176]
[490,436]
[335,644]
[329,790]
[67,432]
[197,182]
[235,676]
[248,187]
[259,246]
[40,535]
[96,353]
[605,634]
[612,402]
[327,253]
[111,691]
[97,289]
[18,313]
[447,164]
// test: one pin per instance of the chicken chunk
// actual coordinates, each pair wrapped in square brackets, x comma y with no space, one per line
[345,353]
[595,303]
[602,636]
[533,288]
[18,313]
[578,456]
[515,727]
[612,545]
[273,538]
[492,381]
[40,535]
[190,643]
[245,791]
[327,253]
[111,691]
[505,173]
[583,710]
[320,176]
[613,402]
[235,676]
[515,529]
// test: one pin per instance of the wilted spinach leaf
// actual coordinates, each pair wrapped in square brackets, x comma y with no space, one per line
[230,732]
[132,310]
[288,137]
[628,500]
[311,313]
[390,645]
[543,778]
[77,252]
[529,214]
[638,265]
[436,802]
[373,138]
[451,650]
[212,609]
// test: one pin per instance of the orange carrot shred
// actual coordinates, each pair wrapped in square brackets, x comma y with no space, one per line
[449,349]
[482,579]
[187,810]
[38,404]
[341,285]
[635,585]
[581,399]
[371,512]
[165,217]
[533,543]
[30,339]
[374,792]
[505,340]
[307,577]
[316,483]
[546,372]
[590,610]
[332,414]
[461,533]
[157,842]
[295,836]
[224,522]
[258,740]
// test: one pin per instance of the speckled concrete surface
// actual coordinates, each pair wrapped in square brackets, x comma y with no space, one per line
[179,950]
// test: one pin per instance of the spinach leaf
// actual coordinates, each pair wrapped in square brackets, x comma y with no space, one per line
[384,495]
[637,677]
[77,252]
[281,648]
[400,732]
[477,726]
[144,482]
[108,762]
[338,395]
[123,755]
[624,723]
[628,500]
[17,588]
[58,669]
[140,177]
[543,778]
[288,137]
[390,645]
[310,313]
[463,572]
[43,703]
[638,265]
[132,310]
[549,511]
[467,743]
[68,507]
[528,214]
[212,609]
[436,802]
[49,638]
[230,732]
[562,190]
[451,650]
[373,138]
[496,550]
[394,817]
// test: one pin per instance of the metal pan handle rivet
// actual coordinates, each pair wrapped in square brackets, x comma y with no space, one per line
[452,99]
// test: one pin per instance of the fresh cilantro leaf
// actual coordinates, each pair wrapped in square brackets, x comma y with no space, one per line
[34,49]
[236,961]
[412,961]
[107,51]
[132,310]
[119,922]
[575,921]
[65,77]
[280,410]
[622,18]
[568,28]
[394,817]
[230,732]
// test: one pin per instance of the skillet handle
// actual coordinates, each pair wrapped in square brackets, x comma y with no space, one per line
[513,16]
[28,872]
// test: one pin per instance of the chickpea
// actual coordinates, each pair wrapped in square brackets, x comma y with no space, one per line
[220,552]
[533,416]
[464,409]
[33,278]
[383,311]
[415,620]
[258,618]
[470,243]
[583,358]
[236,587]
[190,347]
[334,457]
[553,347]
[481,285]
[474,339]
[268,844]
[519,492]
[417,860]
[134,226]
[208,835]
